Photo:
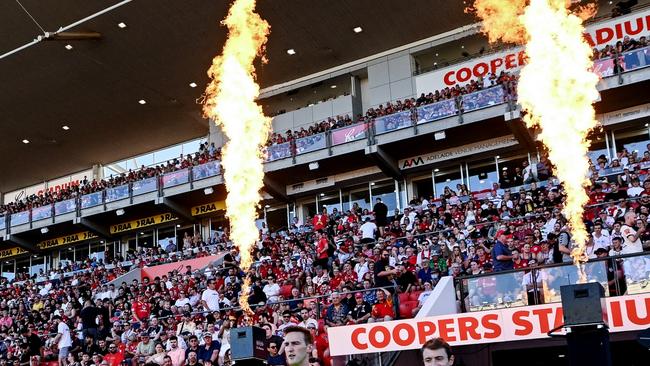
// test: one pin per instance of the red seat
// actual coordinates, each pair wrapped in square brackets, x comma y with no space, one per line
[403,297]
[415,295]
[406,308]
[285,291]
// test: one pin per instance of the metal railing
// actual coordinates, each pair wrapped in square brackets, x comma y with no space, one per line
[112,194]
[428,113]
[625,274]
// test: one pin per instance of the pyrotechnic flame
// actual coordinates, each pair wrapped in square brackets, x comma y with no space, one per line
[557,89]
[500,19]
[230,102]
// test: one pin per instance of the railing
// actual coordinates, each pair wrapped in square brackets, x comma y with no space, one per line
[619,275]
[626,61]
[401,120]
[113,194]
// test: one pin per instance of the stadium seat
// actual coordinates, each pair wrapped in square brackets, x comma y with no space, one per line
[406,309]
[414,295]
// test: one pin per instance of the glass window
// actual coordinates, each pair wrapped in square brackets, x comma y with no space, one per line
[329,200]
[631,143]
[98,250]
[22,265]
[482,175]
[167,154]
[308,209]
[511,171]
[447,179]
[145,239]
[167,238]
[423,187]
[276,218]
[360,197]
[386,191]
[598,145]
[81,252]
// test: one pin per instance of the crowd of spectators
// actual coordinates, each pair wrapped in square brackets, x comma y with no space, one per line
[335,268]
[206,153]
[506,79]
[627,44]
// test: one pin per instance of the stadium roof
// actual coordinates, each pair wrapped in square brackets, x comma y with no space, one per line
[95,87]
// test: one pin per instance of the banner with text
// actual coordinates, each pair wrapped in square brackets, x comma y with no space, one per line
[143,222]
[457,152]
[598,35]
[208,208]
[625,313]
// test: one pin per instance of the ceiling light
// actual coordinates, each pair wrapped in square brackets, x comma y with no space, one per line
[208,191]
[178,225]
[44,230]
[142,101]
[121,25]
[25,141]
[65,127]
[333,86]
[119,212]
[358,29]
[291,51]
[435,64]
[436,170]
[267,206]
[142,233]
[192,85]
[313,166]
[322,194]
[68,47]
[436,54]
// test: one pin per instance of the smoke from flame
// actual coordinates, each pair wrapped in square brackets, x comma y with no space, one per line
[557,90]
[230,102]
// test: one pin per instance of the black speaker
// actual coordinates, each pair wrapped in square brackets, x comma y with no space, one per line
[248,343]
[583,304]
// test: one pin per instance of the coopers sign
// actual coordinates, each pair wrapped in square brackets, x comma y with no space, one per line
[457,152]
[597,35]
[625,313]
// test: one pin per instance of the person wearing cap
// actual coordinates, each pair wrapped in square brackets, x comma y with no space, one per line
[209,351]
[144,349]
[361,312]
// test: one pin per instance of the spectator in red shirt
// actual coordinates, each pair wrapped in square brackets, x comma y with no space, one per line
[517,261]
[141,309]
[321,250]
[115,356]
[383,309]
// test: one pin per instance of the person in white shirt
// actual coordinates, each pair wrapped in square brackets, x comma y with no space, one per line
[62,339]
[210,297]
[635,189]
[361,268]
[632,238]
[601,238]
[368,230]
[271,289]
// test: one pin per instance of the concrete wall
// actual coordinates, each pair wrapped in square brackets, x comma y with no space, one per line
[318,112]
[390,79]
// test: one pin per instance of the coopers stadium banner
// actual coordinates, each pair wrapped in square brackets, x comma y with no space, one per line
[598,35]
[625,313]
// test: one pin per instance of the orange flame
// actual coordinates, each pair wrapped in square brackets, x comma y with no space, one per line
[500,19]
[557,90]
[230,102]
